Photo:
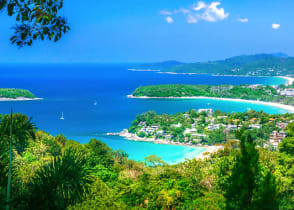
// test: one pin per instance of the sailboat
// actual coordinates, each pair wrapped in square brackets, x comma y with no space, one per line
[62,118]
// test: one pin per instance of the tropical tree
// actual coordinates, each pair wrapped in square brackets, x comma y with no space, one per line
[100,197]
[99,153]
[250,186]
[22,129]
[290,129]
[242,182]
[36,19]
[15,130]
[153,161]
[287,146]
[267,196]
[62,182]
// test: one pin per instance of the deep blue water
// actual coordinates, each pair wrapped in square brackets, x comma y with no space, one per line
[73,89]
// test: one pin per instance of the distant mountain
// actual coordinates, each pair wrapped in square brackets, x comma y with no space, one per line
[280,55]
[277,64]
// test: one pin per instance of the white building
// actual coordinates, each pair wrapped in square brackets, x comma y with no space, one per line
[209,111]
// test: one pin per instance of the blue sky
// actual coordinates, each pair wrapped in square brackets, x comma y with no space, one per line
[158,30]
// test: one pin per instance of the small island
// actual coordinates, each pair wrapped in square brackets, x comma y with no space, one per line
[13,94]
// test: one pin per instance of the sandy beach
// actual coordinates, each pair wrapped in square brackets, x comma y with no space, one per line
[20,99]
[133,137]
[282,106]
[209,150]
[144,70]
[289,79]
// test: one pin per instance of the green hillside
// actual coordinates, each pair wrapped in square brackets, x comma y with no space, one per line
[251,65]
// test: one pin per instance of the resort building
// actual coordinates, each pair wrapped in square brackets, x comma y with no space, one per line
[276,138]
[257,126]
[209,111]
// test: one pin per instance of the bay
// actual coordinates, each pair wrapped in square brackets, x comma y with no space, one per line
[93,100]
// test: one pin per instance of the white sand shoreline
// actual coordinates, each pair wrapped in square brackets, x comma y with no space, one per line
[133,137]
[144,70]
[289,79]
[282,106]
[20,99]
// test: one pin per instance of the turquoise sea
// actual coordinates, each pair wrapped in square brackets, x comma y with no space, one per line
[93,100]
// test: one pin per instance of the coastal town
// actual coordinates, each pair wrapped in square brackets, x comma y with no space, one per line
[207,127]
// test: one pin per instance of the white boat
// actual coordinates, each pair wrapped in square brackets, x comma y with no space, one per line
[62,118]
[95,103]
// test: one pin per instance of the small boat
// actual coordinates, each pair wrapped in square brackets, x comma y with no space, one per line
[62,118]
[95,103]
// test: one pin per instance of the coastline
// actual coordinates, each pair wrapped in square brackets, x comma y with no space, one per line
[133,137]
[20,99]
[282,106]
[144,70]
[289,80]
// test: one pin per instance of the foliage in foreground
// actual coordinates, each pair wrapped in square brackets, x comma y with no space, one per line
[56,173]
[35,20]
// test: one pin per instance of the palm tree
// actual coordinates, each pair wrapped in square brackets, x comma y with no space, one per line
[18,128]
[21,128]
[63,181]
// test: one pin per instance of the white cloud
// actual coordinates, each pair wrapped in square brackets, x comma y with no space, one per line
[242,20]
[165,12]
[275,26]
[169,19]
[200,5]
[192,19]
[182,10]
[212,13]
[200,11]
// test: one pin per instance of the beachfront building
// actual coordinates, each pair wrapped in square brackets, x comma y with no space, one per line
[283,125]
[187,131]
[142,123]
[177,125]
[287,92]
[209,111]
[212,127]
[276,138]
[257,126]
[232,127]
[254,86]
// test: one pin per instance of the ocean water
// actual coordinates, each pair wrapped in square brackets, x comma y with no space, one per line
[93,100]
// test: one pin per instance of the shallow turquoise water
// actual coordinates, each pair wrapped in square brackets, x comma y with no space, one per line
[139,150]
[73,89]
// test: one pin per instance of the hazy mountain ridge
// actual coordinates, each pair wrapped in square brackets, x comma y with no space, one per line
[277,64]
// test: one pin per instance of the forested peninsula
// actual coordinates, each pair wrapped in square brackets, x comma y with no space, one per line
[279,94]
[277,64]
